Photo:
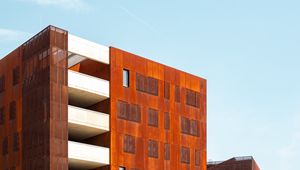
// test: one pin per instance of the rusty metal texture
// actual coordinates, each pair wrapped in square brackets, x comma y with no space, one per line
[168,85]
[34,125]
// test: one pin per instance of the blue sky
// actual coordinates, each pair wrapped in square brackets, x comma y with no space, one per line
[249,51]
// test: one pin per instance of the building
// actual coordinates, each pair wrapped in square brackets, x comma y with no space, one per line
[68,103]
[236,163]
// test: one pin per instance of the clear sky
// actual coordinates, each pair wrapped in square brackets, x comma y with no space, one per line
[248,50]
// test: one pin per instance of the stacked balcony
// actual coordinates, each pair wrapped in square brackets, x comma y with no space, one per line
[86,122]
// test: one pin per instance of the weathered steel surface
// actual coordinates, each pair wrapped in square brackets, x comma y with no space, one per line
[36,81]
[145,76]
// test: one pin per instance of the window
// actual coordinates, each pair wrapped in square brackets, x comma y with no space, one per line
[146,84]
[16,142]
[131,112]
[185,125]
[2,116]
[167,121]
[5,146]
[122,168]
[129,144]
[125,78]
[152,149]
[194,131]
[2,83]
[123,109]
[192,98]
[12,110]
[135,113]
[177,94]
[16,75]
[167,151]
[197,157]
[185,155]
[189,127]
[152,117]
[167,90]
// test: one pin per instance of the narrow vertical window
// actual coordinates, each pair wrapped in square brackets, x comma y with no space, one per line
[12,110]
[5,146]
[177,94]
[167,151]
[16,142]
[125,78]
[167,90]
[2,83]
[16,75]
[194,128]
[152,117]
[2,117]
[166,120]
[197,157]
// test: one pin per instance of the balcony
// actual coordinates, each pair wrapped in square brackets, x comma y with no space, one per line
[80,49]
[85,123]
[84,156]
[85,90]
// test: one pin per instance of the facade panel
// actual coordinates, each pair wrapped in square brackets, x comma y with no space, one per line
[155,88]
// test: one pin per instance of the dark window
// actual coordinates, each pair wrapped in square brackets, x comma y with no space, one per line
[141,82]
[16,75]
[146,84]
[2,116]
[167,90]
[131,112]
[12,110]
[185,155]
[194,128]
[197,157]
[125,78]
[123,109]
[2,83]
[192,98]
[167,151]
[135,113]
[185,125]
[189,127]
[5,146]
[152,86]
[16,142]
[153,149]
[152,117]
[166,120]
[122,168]
[129,144]
[177,93]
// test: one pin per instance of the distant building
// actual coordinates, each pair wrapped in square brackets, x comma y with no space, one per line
[236,163]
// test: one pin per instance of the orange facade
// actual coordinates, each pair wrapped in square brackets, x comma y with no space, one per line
[158,122]
[33,104]
[170,99]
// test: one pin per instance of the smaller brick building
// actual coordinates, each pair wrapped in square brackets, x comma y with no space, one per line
[236,163]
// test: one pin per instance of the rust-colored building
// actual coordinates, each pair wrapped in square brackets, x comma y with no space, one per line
[68,103]
[236,163]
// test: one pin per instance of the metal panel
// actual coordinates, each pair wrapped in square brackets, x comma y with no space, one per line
[139,92]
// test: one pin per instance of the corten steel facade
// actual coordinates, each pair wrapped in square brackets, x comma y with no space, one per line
[236,163]
[67,103]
